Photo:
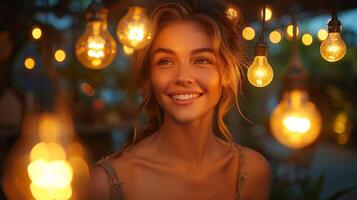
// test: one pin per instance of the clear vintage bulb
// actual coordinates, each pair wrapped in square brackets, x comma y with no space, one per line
[295,122]
[96,48]
[260,73]
[134,29]
[333,48]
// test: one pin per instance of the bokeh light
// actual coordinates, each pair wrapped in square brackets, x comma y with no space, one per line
[307,39]
[322,34]
[268,14]
[60,55]
[248,33]
[275,36]
[289,30]
[36,33]
[29,63]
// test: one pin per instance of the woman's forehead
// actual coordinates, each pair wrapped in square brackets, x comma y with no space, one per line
[183,36]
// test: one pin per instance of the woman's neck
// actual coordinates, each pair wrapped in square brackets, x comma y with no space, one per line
[190,142]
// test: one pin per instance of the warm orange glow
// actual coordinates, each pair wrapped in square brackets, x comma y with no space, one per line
[96,48]
[134,29]
[268,14]
[340,123]
[50,179]
[43,163]
[60,55]
[295,122]
[289,30]
[232,12]
[275,36]
[47,151]
[307,39]
[29,63]
[49,128]
[322,34]
[42,193]
[333,48]
[127,51]
[260,73]
[36,33]
[248,33]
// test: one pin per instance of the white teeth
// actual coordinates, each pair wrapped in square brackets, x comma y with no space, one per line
[185,96]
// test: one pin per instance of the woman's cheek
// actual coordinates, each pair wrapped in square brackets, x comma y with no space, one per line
[160,80]
[210,78]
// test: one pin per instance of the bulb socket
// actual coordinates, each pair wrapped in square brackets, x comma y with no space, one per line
[261,49]
[334,25]
[96,12]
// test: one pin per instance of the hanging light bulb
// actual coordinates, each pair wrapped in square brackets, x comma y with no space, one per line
[260,73]
[295,122]
[134,29]
[96,48]
[333,48]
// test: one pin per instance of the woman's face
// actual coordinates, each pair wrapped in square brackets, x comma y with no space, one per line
[184,71]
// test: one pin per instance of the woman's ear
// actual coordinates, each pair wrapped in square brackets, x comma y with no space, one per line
[224,81]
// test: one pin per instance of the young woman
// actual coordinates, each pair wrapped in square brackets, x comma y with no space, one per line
[189,76]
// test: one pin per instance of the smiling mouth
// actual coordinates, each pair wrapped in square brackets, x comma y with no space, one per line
[185,97]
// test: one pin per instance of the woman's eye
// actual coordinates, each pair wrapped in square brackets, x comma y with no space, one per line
[202,61]
[164,62]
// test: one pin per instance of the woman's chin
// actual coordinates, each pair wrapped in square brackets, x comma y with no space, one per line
[184,117]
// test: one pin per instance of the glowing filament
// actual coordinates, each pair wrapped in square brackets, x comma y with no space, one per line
[96,47]
[297,124]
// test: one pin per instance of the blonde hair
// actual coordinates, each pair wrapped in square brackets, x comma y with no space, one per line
[211,14]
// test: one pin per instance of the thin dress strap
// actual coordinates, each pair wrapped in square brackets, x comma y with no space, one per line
[116,191]
[242,174]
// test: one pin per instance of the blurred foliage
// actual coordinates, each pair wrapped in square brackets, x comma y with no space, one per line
[308,189]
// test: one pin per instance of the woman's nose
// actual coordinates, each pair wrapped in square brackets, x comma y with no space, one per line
[184,75]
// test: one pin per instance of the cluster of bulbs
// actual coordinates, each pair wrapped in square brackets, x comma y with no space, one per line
[96,48]
[260,73]
[295,121]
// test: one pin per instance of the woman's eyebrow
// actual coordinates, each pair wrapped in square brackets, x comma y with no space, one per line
[162,50]
[195,51]
[201,50]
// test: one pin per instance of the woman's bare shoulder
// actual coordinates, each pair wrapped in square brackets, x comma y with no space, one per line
[133,154]
[98,186]
[257,172]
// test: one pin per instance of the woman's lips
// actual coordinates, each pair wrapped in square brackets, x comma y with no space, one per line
[184,99]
